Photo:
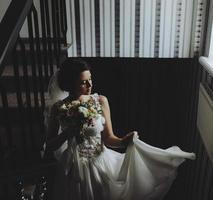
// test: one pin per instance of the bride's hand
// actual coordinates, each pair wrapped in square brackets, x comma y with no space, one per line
[128,138]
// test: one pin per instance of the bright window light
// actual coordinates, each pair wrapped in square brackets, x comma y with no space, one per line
[211,44]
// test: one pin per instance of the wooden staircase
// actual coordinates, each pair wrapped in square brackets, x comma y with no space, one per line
[26,65]
[23,131]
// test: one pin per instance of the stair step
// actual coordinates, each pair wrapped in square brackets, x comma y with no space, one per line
[13,101]
[16,115]
[20,166]
[9,70]
[10,83]
[23,135]
[28,56]
[50,43]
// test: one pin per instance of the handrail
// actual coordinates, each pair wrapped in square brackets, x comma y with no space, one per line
[10,27]
[207,63]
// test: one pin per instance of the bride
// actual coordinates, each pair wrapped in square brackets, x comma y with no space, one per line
[80,130]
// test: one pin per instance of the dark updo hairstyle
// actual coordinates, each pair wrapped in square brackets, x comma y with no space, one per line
[69,73]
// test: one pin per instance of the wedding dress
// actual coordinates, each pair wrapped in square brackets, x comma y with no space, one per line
[88,170]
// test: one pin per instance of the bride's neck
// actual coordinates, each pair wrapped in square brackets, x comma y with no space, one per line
[75,96]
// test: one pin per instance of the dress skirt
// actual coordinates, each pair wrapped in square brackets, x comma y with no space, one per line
[143,172]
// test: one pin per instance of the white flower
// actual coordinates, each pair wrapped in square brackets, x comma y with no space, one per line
[75,103]
[84,111]
[93,110]
[63,107]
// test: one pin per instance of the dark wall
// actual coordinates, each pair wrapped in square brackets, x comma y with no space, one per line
[152,96]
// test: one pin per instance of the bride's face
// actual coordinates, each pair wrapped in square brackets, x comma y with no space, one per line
[84,84]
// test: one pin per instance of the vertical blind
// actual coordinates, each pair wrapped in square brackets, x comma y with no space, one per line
[135,28]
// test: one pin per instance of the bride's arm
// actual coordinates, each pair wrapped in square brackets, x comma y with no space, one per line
[109,138]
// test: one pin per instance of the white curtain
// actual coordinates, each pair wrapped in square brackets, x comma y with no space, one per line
[136,28]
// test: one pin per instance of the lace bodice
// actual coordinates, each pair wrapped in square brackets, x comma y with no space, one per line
[87,119]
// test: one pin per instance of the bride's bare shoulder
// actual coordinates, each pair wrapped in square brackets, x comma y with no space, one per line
[103,99]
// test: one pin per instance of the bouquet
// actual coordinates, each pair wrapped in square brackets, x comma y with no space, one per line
[80,115]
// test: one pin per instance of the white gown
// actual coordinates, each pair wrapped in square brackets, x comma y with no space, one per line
[90,171]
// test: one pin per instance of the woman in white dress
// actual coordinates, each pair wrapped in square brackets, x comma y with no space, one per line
[79,131]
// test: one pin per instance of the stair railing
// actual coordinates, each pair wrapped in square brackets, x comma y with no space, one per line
[26,64]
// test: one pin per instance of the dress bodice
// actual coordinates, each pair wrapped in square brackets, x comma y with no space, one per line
[85,118]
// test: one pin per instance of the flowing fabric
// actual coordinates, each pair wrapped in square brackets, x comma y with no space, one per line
[142,172]
[55,94]
[88,170]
